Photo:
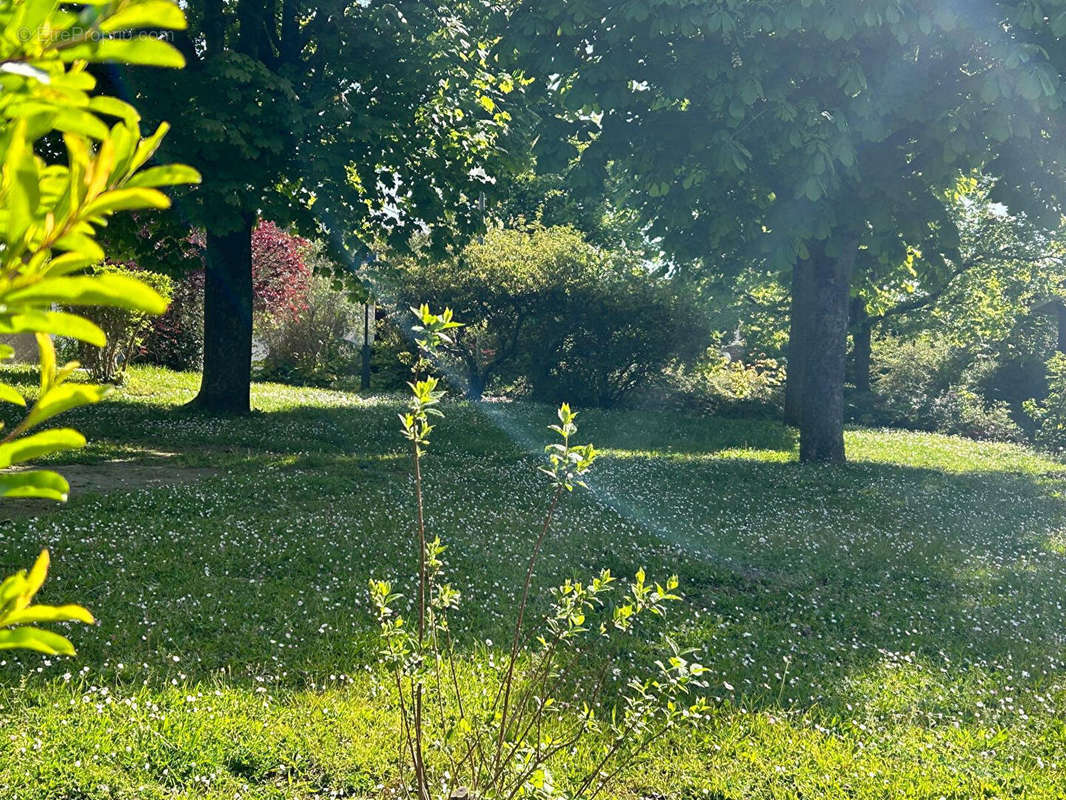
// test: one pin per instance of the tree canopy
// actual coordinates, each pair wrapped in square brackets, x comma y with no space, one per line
[817,139]
[373,122]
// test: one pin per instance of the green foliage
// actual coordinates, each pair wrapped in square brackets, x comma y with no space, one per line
[50,212]
[729,153]
[504,285]
[557,315]
[611,336]
[18,616]
[928,384]
[125,329]
[407,132]
[1049,414]
[501,737]
[309,346]
[722,386]
[1005,265]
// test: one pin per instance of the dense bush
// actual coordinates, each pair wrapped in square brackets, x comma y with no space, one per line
[722,386]
[176,339]
[1049,414]
[125,329]
[928,384]
[309,346]
[553,315]
[610,336]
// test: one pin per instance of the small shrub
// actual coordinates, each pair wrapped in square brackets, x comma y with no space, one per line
[908,377]
[963,412]
[613,335]
[720,386]
[309,346]
[500,735]
[125,329]
[391,358]
[552,313]
[176,339]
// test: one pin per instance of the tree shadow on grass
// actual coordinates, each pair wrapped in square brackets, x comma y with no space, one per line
[844,570]
[258,573]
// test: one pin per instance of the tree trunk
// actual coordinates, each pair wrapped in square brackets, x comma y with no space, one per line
[1060,321]
[225,387]
[822,415]
[475,385]
[862,345]
[800,313]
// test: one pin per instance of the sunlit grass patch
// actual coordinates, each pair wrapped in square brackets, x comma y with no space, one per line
[892,628]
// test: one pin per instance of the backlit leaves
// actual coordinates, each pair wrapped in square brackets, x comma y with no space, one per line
[50,212]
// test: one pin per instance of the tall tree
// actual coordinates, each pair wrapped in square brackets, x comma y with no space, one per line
[371,121]
[819,135]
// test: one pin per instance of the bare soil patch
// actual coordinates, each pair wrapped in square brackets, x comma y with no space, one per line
[107,476]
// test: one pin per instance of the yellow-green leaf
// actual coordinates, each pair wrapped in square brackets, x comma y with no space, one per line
[57,323]
[43,641]
[32,615]
[144,51]
[39,444]
[169,175]
[150,14]
[98,290]
[63,398]
[125,200]
[38,483]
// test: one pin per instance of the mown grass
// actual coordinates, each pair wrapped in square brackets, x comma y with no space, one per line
[892,628]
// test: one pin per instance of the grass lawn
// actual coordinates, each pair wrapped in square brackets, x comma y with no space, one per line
[893,628]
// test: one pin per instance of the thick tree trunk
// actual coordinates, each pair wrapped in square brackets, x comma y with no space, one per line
[800,314]
[226,383]
[822,416]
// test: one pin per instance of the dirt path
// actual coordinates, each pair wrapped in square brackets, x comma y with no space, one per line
[107,476]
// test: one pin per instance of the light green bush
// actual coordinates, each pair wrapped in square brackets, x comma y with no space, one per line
[125,328]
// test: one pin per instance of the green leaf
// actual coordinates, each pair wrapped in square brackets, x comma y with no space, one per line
[114,107]
[97,290]
[84,246]
[36,445]
[9,394]
[57,323]
[38,483]
[144,51]
[151,14]
[169,175]
[78,120]
[126,200]
[36,639]
[67,263]
[63,398]
[31,615]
